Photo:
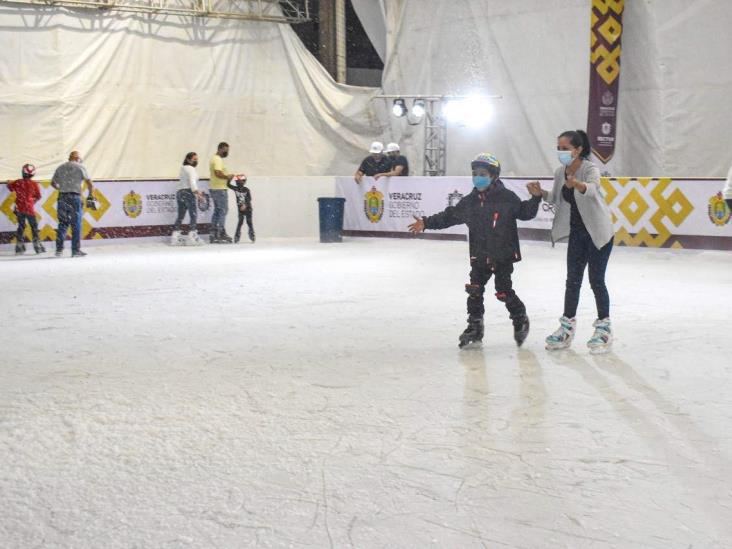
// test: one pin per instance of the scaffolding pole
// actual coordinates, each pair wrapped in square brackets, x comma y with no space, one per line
[284,11]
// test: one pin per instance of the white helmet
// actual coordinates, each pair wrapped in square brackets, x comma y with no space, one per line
[392,147]
[377,147]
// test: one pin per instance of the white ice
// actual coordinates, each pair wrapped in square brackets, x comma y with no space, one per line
[292,394]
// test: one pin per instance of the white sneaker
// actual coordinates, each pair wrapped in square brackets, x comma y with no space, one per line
[176,239]
[602,339]
[562,338]
[194,239]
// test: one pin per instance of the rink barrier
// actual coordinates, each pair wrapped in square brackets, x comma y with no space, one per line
[126,208]
[659,212]
[648,212]
[284,207]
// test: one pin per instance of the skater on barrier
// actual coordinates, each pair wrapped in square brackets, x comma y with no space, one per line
[582,216]
[27,193]
[399,163]
[187,199]
[490,211]
[376,162]
[219,194]
[244,205]
[67,180]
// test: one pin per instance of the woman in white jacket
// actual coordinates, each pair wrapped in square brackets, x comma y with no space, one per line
[186,198]
[581,215]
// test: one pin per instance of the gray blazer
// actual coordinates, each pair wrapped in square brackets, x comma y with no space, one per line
[592,207]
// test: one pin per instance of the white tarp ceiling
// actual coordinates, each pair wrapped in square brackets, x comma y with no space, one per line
[135,93]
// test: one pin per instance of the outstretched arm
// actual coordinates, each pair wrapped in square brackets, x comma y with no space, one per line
[446,218]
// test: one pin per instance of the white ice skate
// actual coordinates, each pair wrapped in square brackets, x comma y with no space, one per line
[193,239]
[562,338]
[176,239]
[602,339]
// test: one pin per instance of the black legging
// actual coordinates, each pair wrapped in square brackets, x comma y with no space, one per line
[582,253]
[31,219]
[480,273]
[242,216]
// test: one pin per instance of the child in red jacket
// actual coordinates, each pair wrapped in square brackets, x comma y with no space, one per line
[27,193]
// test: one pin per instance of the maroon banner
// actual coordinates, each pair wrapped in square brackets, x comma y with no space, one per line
[606,29]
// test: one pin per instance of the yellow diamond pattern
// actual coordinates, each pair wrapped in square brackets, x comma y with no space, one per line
[633,206]
[48,231]
[669,211]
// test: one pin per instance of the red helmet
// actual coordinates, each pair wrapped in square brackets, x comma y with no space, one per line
[29,170]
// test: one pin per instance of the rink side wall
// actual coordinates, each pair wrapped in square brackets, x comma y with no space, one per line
[649,212]
[127,210]
[654,212]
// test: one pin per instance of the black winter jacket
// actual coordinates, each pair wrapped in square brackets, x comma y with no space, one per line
[491,219]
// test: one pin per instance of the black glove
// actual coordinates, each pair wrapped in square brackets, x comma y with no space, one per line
[91,203]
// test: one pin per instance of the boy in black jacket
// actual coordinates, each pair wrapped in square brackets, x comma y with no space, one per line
[490,211]
[244,205]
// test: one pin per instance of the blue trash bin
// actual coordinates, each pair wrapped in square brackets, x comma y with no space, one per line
[331,219]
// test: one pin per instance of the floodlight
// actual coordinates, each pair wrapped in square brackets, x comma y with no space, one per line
[418,108]
[400,108]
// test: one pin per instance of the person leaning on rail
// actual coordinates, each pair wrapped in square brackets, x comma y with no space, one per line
[375,163]
[399,164]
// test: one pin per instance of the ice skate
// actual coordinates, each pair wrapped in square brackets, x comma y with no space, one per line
[602,340]
[38,247]
[225,238]
[237,237]
[562,338]
[78,253]
[193,239]
[520,329]
[473,334]
[19,248]
[214,237]
[252,236]
[176,239]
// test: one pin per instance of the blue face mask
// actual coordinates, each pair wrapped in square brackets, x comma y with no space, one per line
[565,157]
[482,182]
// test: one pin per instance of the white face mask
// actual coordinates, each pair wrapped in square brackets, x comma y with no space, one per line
[565,157]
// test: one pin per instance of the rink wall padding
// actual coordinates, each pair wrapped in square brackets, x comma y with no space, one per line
[284,207]
[648,212]
[654,212]
[125,209]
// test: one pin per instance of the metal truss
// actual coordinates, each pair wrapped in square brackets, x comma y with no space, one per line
[278,11]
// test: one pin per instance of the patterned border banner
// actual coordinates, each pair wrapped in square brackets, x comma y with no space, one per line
[606,29]
[653,212]
[125,209]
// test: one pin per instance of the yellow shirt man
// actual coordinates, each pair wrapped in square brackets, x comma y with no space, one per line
[217,164]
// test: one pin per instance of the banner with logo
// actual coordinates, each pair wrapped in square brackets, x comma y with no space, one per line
[391,203]
[606,29]
[125,209]
[652,212]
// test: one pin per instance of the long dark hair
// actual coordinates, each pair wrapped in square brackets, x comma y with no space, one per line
[578,138]
[187,159]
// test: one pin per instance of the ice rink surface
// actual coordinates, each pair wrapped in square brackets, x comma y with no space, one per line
[293,394]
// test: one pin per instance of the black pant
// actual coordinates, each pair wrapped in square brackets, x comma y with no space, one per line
[729,202]
[186,202]
[31,219]
[480,273]
[581,253]
[242,216]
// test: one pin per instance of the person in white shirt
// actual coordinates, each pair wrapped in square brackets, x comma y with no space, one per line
[187,199]
[727,192]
